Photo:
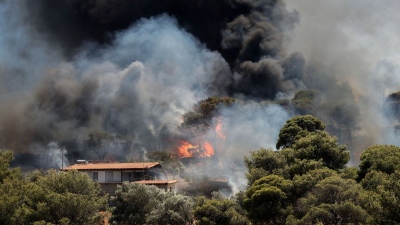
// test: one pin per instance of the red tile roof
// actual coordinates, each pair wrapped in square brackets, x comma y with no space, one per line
[156,182]
[112,166]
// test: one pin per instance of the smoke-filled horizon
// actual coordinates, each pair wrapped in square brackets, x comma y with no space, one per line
[133,68]
[354,42]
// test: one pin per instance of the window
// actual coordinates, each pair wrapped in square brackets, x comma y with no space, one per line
[96,176]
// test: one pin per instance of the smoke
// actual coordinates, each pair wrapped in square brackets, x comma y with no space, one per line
[137,88]
[57,155]
[353,42]
[241,31]
[78,67]
[248,126]
[133,68]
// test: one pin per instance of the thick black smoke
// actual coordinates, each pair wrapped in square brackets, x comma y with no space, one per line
[244,32]
[71,23]
[134,67]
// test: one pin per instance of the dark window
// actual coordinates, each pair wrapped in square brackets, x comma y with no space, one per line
[96,176]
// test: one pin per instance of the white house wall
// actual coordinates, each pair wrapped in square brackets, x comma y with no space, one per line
[109,176]
[102,176]
[116,176]
[106,176]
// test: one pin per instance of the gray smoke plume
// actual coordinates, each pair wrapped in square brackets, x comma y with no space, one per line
[354,42]
[137,88]
[133,68]
[247,126]
[78,67]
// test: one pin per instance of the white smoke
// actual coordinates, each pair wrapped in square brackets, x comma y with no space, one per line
[165,69]
[248,126]
[355,42]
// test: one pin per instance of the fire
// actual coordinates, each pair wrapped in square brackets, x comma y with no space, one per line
[202,148]
[184,149]
[218,129]
[187,149]
[208,149]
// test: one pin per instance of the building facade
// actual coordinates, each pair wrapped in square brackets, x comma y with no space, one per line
[109,175]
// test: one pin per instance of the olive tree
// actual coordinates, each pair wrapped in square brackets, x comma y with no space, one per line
[142,204]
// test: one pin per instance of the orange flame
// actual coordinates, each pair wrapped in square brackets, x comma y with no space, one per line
[186,149]
[209,150]
[218,129]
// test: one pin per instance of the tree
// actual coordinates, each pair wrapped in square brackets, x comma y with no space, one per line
[219,210]
[381,200]
[267,200]
[174,209]
[200,119]
[383,158]
[277,179]
[264,162]
[65,196]
[303,184]
[133,202]
[334,200]
[96,142]
[297,127]
[169,161]
[13,209]
[13,189]
[48,198]
[321,146]
[392,106]
[389,195]
[304,102]
[345,114]
[142,204]
[285,163]
[5,171]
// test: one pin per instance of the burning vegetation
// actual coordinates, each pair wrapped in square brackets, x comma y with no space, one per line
[188,150]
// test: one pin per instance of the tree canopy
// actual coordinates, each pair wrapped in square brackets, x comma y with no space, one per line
[76,197]
[50,197]
[333,200]
[199,119]
[383,158]
[219,210]
[297,127]
[321,146]
[304,102]
[142,204]
[306,181]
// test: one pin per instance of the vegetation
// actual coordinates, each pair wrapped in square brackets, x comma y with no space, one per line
[141,204]
[201,118]
[296,128]
[169,161]
[48,198]
[219,210]
[305,181]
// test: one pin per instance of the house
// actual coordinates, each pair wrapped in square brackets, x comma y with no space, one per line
[109,175]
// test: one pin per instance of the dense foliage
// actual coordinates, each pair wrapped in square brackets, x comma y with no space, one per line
[48,198]
[219,210]
[200,119]
[141,204]
[305,181]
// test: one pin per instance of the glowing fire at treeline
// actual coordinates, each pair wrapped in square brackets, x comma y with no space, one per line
[218,129]
[205,149]
[188,150]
